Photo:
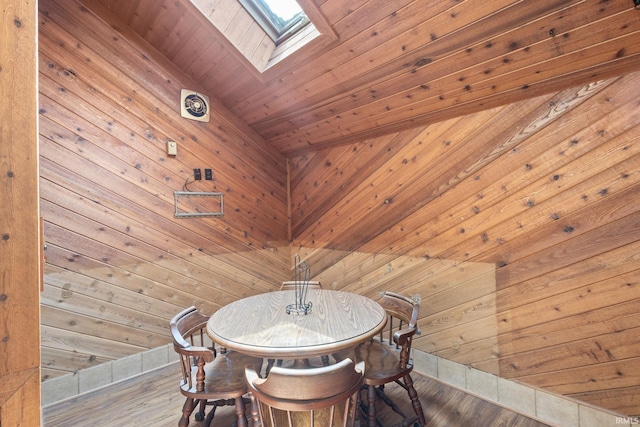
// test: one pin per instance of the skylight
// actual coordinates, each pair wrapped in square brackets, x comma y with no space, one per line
[279,18]
[267,32]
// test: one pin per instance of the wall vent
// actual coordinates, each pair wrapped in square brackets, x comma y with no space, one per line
[194,105]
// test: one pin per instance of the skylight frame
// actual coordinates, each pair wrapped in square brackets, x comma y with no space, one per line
[278,32]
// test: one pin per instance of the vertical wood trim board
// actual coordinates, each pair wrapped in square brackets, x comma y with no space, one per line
[19,220]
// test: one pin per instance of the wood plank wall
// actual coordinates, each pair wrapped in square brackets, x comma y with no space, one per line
[20,246]
[518,228]
[118,264]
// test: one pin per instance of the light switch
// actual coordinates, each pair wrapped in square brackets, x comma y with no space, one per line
[172,148]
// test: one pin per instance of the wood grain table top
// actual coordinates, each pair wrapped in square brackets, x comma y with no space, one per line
[260,326]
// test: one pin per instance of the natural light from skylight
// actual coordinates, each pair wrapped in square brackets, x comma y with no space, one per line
[279,18]
[265,32]
[285,9]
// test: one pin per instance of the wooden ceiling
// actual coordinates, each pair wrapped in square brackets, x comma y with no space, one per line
[395,65]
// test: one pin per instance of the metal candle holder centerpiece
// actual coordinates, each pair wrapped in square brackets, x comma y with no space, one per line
[302,272]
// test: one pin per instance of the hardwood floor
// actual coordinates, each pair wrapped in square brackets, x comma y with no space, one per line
[153,399]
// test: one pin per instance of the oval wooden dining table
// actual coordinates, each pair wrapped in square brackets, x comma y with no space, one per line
[260,326]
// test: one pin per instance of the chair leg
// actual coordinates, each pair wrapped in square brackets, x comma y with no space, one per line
[415,400]
[270,363]
[371,409]
[240,412]
[202,409]
[354,412]
[255,411]
[187,409]
[325,360]
[207,422]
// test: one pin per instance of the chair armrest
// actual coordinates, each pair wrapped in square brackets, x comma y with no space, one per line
[252,376]
[205,353]
[403,339]
[403,335]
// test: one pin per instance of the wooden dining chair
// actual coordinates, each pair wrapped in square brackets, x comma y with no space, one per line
[324,397]
[210,376]
[387,357]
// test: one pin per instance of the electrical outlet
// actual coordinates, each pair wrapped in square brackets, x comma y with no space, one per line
[197,174]
[208,175]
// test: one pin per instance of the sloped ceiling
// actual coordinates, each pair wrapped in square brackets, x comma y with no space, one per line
[395,65]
